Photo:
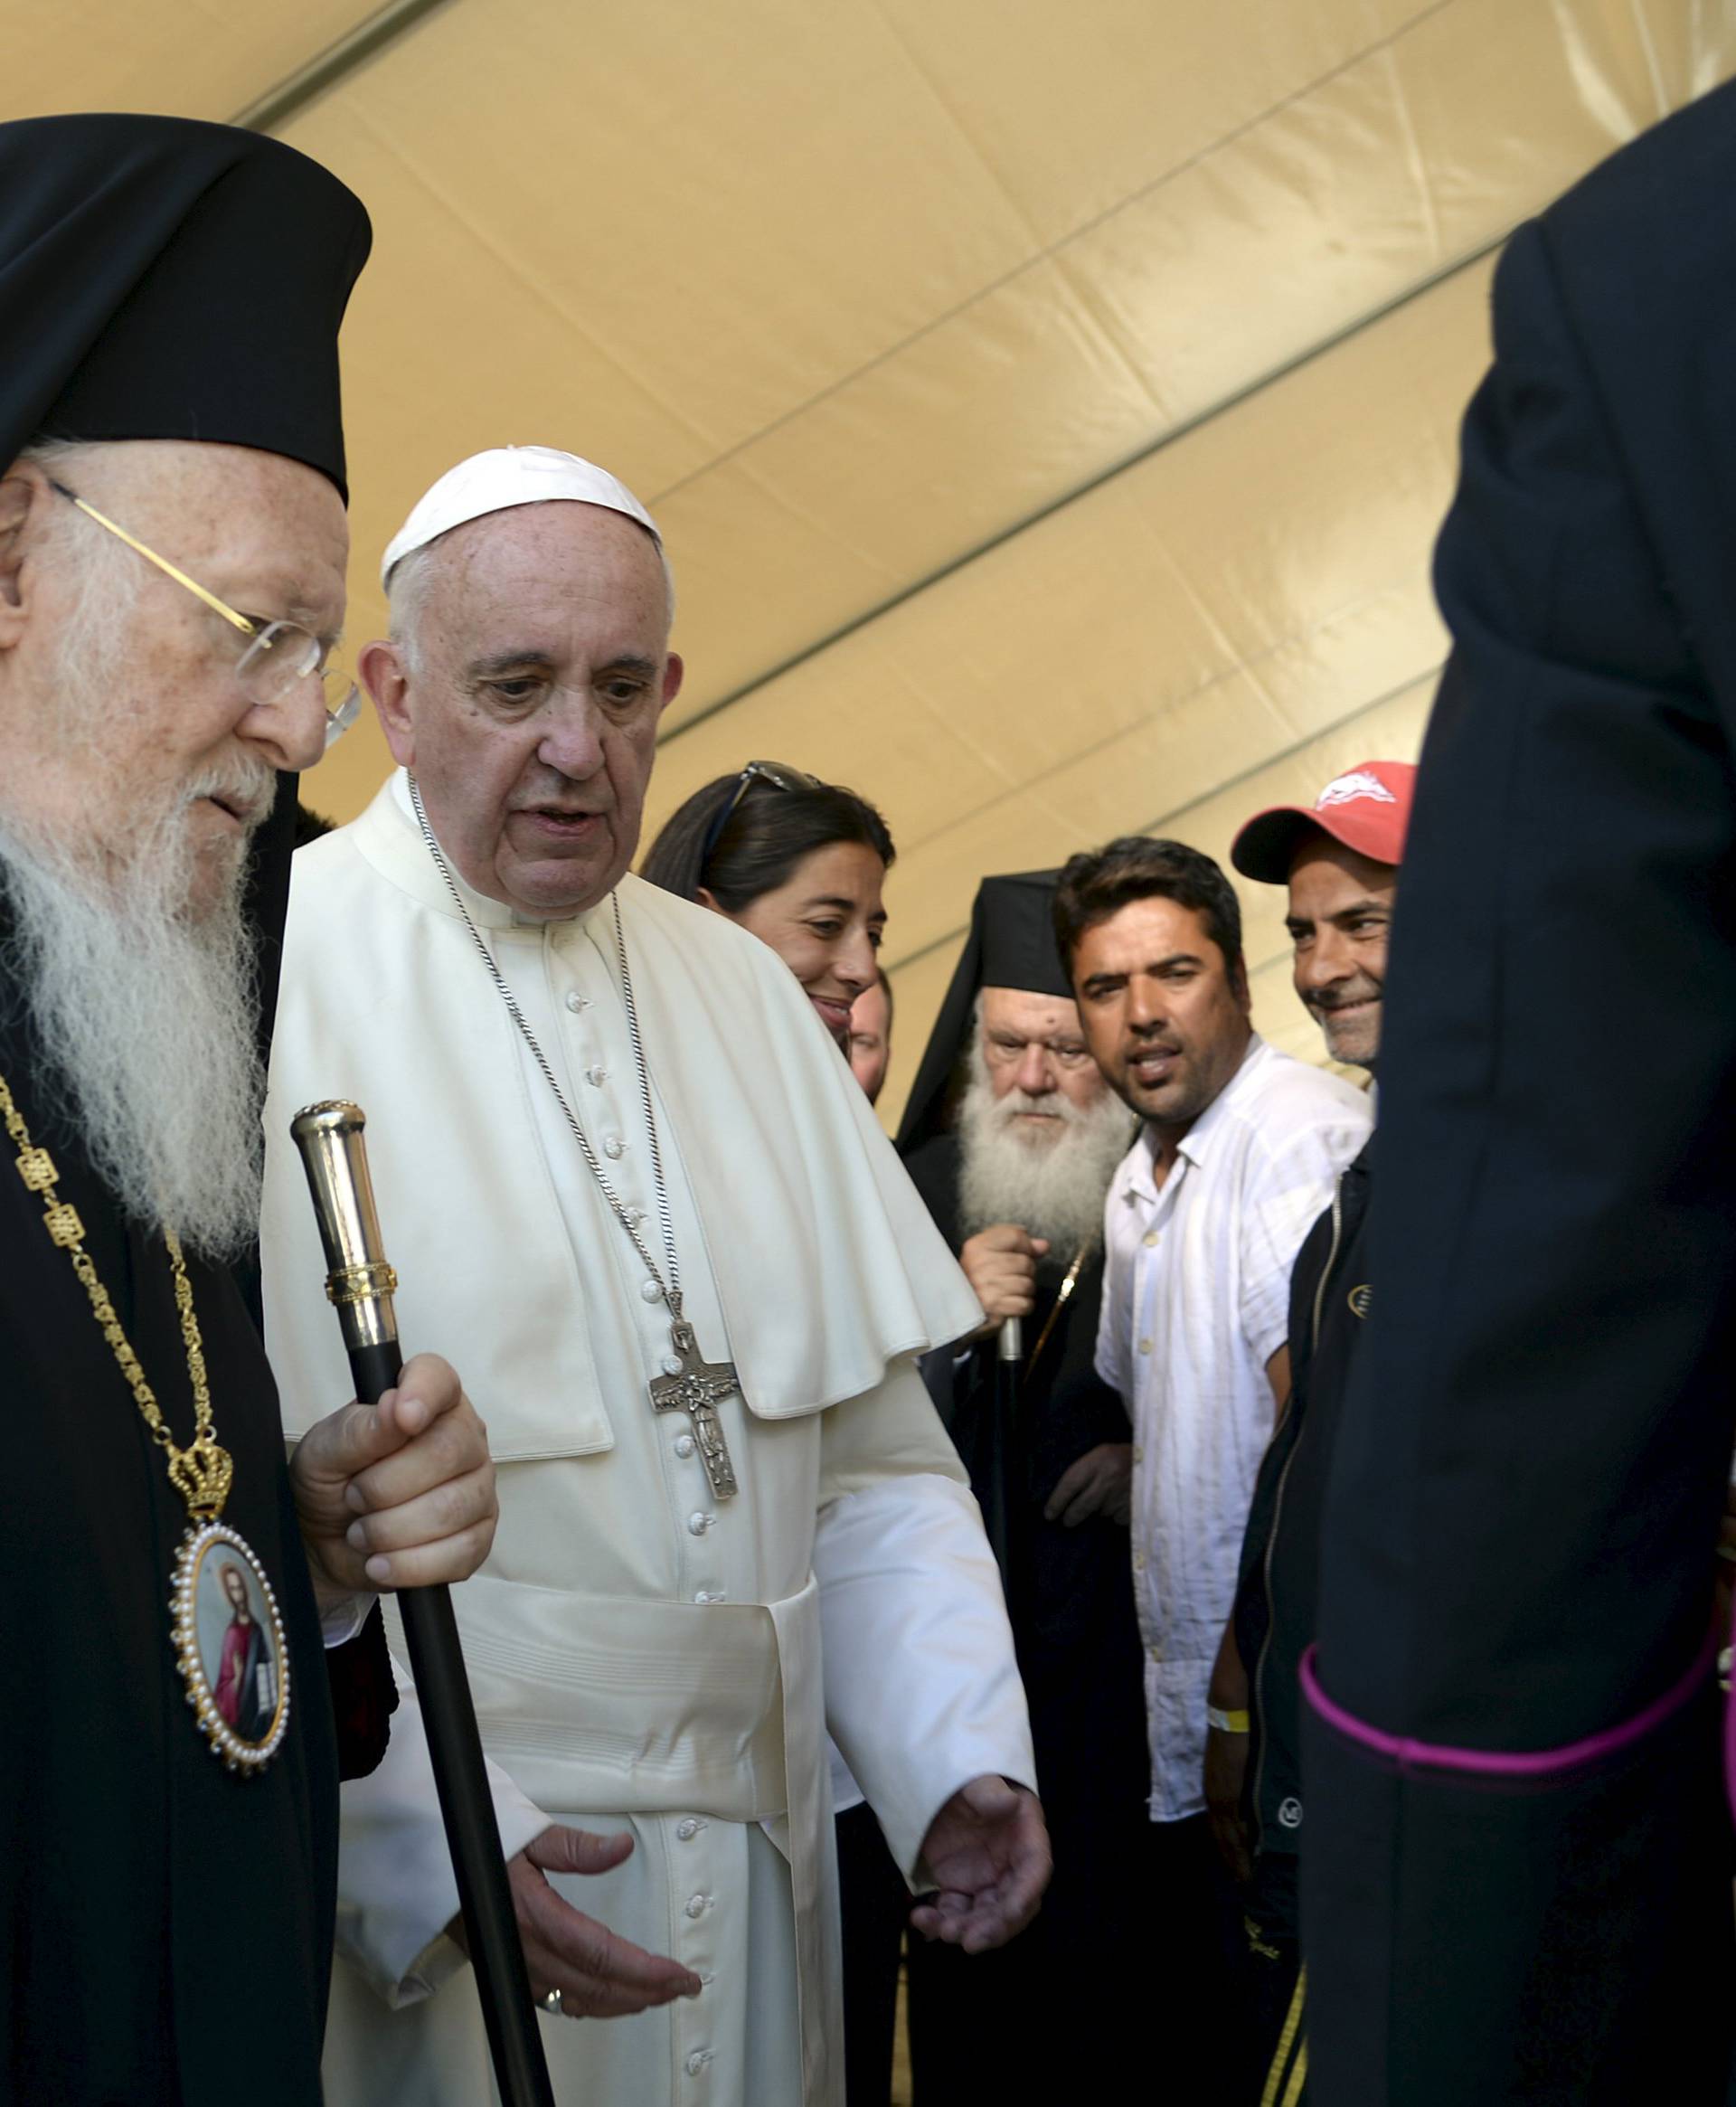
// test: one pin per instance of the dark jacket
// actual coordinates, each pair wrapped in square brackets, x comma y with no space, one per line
[1278,1585]
[162,1919]
[1535,1448]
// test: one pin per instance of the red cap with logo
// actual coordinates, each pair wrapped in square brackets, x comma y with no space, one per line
[1368,809]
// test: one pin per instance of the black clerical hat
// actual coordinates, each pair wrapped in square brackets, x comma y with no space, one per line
[1010,944]
[161,279]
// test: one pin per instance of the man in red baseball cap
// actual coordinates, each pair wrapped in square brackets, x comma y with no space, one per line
[1339,858]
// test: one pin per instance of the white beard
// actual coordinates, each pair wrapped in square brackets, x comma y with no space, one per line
[1052,1182]
[147,1018]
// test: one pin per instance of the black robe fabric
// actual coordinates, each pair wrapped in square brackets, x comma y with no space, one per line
[166,1926]
[1537,1438]
[1071,1598]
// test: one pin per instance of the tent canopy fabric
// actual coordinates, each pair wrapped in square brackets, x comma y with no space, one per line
[1047,410]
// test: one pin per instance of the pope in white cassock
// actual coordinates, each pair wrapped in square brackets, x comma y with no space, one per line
[628,1182]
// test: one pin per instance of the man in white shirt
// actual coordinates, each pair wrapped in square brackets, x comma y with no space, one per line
[1238,1153]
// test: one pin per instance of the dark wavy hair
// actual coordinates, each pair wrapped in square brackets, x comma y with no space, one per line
[1098,885]
[780,816]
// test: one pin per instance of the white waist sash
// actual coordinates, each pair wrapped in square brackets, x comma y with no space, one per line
[615,1704]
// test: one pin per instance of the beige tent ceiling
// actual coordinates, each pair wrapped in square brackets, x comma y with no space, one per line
[1048,404]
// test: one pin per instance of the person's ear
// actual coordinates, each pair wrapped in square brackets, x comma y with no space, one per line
[380,667]
[707,898]
[673,670]
[24,498]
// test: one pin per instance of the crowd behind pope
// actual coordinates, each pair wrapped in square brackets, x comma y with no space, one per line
[873,1561]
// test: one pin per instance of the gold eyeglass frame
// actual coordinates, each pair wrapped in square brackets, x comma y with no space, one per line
[337,721]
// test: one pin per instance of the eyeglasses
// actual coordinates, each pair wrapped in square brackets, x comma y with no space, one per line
[757,772]
[1004,1050]
[279,654]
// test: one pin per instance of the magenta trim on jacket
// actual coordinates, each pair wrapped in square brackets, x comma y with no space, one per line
[1527,1763]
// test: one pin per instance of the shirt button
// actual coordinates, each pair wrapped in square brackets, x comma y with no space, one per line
[1151,1238]
[697,2060]
[652,1291]
[704,1595]
[697,1523]
[697,1904]
[1145,1345]
[614,1148]
[600,1075]
[672,1363]
[684,1444]
[687,1830]
[576,1002]
[1138,1561]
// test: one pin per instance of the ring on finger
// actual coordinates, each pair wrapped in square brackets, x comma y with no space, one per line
[551,2002]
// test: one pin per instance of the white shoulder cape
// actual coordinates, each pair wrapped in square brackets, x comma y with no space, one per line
[827,1264]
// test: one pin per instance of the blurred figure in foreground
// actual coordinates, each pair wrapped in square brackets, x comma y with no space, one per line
[1517,1884]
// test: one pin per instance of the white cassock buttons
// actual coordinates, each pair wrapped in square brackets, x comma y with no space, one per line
[697,2060]
[672,1363]
[684,1445]
[614,1149]
[697,1904]
[597,1075]
[697,1523]
[1145,1345]
[1151,1240]
[576,1002]
[687,1830]
[652,1291]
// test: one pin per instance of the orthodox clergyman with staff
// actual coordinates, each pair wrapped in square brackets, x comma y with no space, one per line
[1012,1136]
[172,550]
[626,1167]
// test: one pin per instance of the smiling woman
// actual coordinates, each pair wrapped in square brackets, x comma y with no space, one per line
[798,862]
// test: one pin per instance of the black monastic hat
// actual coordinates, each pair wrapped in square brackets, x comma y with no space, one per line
[1010,944]
[162,279]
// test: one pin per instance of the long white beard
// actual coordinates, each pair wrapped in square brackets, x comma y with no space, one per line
[1052,1182]
[147,1018]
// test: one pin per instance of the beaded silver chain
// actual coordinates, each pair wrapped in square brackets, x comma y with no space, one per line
[672,1288]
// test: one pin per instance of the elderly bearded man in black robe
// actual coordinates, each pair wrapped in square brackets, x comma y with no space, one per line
[1010,1135]
[171,516]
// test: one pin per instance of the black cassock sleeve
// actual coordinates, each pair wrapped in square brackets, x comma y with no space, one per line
[1520,1529]
[364,1696]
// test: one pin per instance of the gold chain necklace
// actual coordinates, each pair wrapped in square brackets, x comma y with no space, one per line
[243,1707]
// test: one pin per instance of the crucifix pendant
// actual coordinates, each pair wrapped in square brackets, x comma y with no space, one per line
[698,1390]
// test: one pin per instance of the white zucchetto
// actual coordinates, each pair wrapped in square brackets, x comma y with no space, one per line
[501,478]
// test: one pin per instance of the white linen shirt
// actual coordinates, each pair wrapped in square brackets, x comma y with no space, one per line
[1195,1303]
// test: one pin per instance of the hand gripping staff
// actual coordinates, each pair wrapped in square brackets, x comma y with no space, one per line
[360,1283]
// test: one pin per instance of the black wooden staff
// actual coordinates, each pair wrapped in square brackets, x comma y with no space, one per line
[360,1283]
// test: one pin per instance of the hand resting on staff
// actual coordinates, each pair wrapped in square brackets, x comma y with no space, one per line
[398,1494]
[1001,1264]
[987,1850]
[598,1976]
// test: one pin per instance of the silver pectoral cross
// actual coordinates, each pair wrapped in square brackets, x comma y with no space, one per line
[698,1390]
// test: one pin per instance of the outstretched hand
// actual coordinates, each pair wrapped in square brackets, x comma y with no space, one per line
[988,1851]
[598,1976]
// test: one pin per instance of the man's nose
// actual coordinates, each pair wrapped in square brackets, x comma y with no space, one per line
[1034,1074]
[1326,962]
[572,741]
[290,731]
[1147,1011]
